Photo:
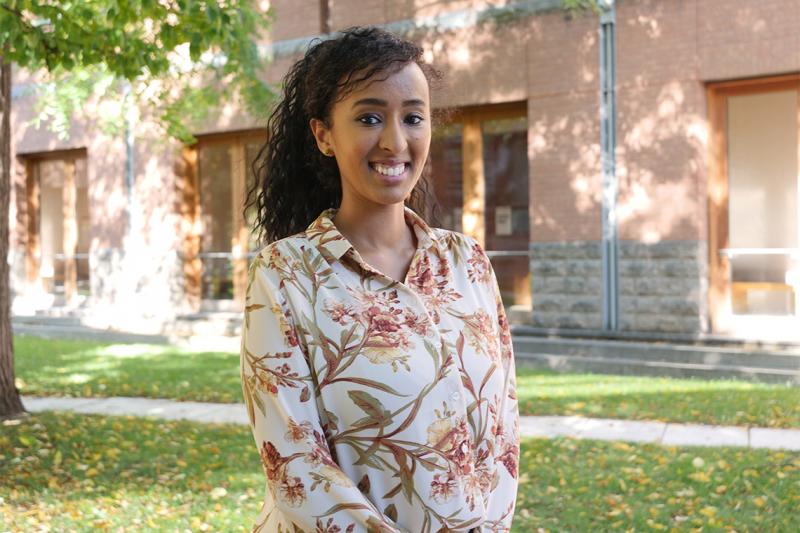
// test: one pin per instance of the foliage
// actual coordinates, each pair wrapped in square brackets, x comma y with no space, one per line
[175,58]
[71,472]
[573,6]
[84,368]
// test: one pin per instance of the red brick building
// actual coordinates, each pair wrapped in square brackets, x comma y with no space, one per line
[635,170]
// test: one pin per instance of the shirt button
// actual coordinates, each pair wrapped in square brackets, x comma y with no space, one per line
[455,396]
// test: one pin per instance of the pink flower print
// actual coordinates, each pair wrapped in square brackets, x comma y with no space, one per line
[443,487]
[293,491]
[383,320]
[509,458]
[423,278]
[417,323]
[478,266]
[339,312]
[271,460]
[298,432]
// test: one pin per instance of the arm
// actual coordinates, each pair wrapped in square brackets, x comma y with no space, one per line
[502,498]
[306,485]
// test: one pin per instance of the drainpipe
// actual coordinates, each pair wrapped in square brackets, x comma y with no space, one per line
[128,110]
[608,143]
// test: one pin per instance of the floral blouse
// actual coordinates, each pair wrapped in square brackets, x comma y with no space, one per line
[380,406]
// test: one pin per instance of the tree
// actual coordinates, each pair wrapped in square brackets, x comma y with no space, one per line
[179,58]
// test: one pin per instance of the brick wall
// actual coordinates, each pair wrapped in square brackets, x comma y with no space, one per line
[666,52]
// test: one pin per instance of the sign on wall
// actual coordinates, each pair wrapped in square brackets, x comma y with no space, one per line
[502,220]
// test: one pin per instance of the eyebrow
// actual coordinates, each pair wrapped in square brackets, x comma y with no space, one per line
[384,103]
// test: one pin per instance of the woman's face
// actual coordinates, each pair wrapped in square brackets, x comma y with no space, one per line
[380,135]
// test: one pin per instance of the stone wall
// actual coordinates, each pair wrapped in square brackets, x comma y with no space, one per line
[567,285]
[662,286]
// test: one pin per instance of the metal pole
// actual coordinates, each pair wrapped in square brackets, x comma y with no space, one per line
[608,142]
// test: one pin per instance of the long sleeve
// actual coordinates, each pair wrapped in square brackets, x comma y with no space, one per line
[305,486]
[502,498]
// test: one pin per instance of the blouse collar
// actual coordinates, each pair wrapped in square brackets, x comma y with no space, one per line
[322,232]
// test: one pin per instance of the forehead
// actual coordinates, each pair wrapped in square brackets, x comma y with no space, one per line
[409,82]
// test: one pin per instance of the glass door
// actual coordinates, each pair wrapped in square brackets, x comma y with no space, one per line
[480,178]
[224,173]
[757,251]
[60,230]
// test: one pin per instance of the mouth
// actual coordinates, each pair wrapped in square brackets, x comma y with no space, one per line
[390,171]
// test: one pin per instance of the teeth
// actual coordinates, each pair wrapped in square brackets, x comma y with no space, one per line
[390,171]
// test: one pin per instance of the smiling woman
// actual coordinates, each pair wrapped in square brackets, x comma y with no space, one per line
[376,360]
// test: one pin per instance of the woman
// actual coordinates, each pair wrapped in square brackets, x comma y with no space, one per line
[377,366]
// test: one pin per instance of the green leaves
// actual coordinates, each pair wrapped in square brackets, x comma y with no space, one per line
[169,52]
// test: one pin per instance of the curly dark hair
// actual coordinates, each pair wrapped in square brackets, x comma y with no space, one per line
[294,182]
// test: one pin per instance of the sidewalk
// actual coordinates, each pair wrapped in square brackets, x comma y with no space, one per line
[530,426]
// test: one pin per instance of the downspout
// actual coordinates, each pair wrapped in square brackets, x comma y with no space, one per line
[608,144]
[129,156]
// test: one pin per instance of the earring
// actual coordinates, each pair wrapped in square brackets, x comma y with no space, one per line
[328,152]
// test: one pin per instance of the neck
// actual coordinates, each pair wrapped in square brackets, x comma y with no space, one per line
[374,228]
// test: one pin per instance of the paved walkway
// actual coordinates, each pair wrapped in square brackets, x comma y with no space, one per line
[531,426]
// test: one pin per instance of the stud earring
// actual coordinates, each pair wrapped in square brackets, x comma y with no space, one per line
[329,152]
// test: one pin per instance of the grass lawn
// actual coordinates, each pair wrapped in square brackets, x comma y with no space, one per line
[91,369]
[81,368]
[71,472]
[728,402]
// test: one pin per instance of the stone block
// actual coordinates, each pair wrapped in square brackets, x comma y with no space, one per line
[628,305]
[547,268]
[585,305]
[589,268]
[675,306]
[627,285]
[636,269]
[676,268]
[547,304]
[547,285]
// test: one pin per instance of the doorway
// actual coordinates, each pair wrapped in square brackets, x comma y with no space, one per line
[220,243]
[754,210]
[59,224]
[480,178]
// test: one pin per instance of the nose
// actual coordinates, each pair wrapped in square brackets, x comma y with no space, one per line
[393,137]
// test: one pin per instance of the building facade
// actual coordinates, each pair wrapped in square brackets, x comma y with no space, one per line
[633,170]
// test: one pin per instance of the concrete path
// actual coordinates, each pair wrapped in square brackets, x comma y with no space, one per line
[530,426]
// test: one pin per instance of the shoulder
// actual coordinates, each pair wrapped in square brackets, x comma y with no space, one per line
[278,258]
[461,248]
[455,241]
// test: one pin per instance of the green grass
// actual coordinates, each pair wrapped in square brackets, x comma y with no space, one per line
[91,369]
[68,472]
[571,485]
[74,472]
[729,402]
[94,369]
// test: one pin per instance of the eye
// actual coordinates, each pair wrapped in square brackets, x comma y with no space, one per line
[369,120]
[414,119]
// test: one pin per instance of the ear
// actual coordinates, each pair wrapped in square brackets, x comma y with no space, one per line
[322,135]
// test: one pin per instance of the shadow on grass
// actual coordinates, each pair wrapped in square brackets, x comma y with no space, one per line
[81,368]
